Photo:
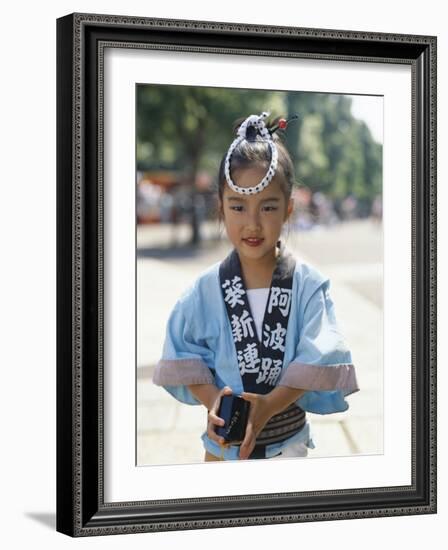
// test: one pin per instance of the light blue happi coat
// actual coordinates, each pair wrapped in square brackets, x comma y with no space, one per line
[199,348]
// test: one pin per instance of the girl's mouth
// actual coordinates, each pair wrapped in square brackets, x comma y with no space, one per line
[253,241]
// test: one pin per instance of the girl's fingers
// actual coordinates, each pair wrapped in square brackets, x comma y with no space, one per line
[213,422]
[216,438]
[224,391]
[216,420]
[213,435]
[249,396]
[248,442]
[246,449]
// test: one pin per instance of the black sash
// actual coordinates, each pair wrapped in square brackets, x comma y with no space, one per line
[260,363]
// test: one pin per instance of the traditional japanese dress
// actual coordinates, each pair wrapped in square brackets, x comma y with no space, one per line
[211,338]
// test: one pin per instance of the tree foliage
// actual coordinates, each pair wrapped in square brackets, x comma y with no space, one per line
[190,128]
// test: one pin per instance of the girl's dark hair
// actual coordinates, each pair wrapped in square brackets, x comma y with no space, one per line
[255,151]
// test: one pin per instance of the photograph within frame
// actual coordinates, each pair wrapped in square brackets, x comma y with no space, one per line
[76,484]
[124,69]
[337,216]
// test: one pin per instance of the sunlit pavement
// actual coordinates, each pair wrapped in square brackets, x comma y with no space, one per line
[349,254]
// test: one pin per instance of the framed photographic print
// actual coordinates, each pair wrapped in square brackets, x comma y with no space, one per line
[205,168]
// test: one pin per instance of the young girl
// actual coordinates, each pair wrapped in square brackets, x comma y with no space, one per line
[259,324]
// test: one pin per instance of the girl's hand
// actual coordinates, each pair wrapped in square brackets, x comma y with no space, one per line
[214,420]
[260,412]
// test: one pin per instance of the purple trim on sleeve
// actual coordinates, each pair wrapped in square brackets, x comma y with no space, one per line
[181,372]
[320,378]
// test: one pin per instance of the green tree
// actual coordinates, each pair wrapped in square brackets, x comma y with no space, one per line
[188,128]
[178,126]
[333,151]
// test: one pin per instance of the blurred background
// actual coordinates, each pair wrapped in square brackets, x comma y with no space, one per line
[336,147]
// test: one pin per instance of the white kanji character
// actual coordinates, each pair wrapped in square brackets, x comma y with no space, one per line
[266,363]
[275,338]
[274,372]
[248,359]
[233,291]
[284,302]
[273,298]
[280,297]
[242,326]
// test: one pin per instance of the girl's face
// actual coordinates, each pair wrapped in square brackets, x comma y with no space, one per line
[254,222]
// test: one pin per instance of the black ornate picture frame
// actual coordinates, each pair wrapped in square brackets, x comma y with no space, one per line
[81,508]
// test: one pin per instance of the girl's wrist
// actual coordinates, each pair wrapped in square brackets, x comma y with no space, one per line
[281,397]
[214,394]
[272,403]
[205,393]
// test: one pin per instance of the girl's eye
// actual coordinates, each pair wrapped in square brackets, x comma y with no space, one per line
[240,208]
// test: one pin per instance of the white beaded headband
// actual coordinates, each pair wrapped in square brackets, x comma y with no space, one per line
[257,121]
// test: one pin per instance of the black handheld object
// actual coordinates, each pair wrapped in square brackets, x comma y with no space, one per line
[234,411]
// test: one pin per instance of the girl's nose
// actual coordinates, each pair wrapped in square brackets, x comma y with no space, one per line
[253,219]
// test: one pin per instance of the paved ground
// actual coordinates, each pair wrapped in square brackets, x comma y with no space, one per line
[350,254]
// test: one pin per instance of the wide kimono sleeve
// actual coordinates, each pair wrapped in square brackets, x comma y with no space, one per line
[186,358]
[322,364]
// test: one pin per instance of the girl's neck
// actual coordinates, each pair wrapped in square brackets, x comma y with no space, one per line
[258,273]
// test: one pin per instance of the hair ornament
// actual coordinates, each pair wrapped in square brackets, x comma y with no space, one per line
[250,124]
[282,124]
[257,122]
